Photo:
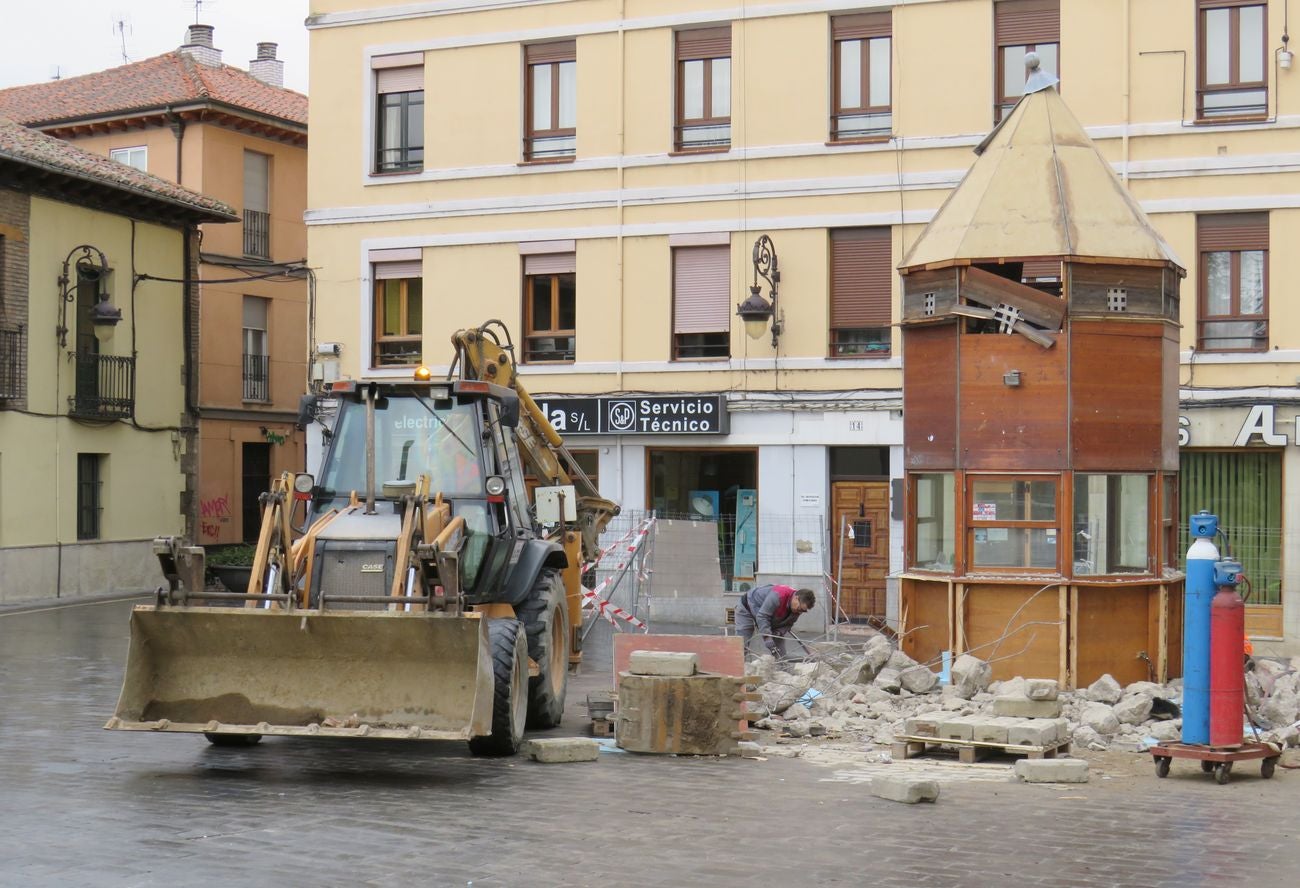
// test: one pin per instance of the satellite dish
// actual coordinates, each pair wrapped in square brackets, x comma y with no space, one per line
[702,506]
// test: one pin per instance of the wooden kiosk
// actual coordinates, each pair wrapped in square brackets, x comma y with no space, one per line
[1040,390]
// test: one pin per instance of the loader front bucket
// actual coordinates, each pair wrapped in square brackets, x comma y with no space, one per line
[378,674]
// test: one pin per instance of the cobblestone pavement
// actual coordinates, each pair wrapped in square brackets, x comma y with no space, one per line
[83,806]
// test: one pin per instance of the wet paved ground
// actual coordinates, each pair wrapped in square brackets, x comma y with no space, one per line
[83,806]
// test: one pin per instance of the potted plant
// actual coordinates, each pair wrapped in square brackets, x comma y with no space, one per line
[231,565]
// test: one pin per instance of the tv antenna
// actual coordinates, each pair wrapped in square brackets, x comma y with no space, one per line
[198,8]
[120,27]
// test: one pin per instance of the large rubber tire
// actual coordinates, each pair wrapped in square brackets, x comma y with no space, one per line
[509,689]
[545,615]
[233,740]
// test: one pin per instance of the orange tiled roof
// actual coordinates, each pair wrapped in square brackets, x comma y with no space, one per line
[170,79]
[31,149]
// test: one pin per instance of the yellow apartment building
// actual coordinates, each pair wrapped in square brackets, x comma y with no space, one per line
[241,137]
[613,177]
[97,377]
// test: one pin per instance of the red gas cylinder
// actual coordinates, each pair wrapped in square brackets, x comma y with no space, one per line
[1227,669]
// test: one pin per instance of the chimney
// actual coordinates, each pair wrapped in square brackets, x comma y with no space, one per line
[198,46]
[266,67]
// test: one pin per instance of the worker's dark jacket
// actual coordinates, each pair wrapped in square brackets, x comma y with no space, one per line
[770,607]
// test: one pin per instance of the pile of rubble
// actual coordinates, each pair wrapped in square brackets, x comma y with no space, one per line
[869,692]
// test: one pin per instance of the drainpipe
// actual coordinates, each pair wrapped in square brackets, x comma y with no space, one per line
[1128,37]
[178,130]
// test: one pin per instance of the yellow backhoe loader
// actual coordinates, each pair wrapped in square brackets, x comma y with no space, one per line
[422,597]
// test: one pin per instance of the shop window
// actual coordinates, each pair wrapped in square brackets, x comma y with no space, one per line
[1111,521]
[861,106]
[1012,523]
[399,123]
[1232,50]
[701,302]
[1233,257]
[1244,489]
[1020,27]
[399,315]
[551,96]
[550,307]
[703,90]
[861,288]
[933,523]
[1169,522]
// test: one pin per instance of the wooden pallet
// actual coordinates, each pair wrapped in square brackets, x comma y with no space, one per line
[908,746]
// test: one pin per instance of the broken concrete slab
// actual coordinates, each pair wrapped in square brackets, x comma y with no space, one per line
[923,725]
[1056,770]
[1035,732]
[556,750]
[1022,707]
[918,679]
[1104,690]
[1100,717]
[970,675]
[961,727]
[888,679]
[663,663]
[909,791]
[1042,688]
[1133,709]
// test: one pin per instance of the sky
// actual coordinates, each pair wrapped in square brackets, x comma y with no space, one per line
[42,38]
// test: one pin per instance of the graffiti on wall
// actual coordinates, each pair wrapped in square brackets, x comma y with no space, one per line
[214,513]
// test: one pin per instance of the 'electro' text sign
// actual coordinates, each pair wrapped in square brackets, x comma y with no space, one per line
[641,415]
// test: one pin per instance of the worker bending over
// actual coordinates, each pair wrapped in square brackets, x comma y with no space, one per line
[772,611]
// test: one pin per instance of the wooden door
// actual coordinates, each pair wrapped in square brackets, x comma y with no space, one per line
[860,534]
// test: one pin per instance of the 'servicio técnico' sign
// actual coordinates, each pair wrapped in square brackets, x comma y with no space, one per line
[643,415]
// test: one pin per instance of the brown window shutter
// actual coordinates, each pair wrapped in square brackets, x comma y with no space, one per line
[1232,231]
[1211,4]
[701,289]
[1041,268]
[400,80]
[861,277]
[704,43]
[1018,22]
[545,53]
[550,263]
[862,26]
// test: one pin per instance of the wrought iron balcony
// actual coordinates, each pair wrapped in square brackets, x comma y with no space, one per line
[105,386]
[13,363]
[257,378]
[257,234]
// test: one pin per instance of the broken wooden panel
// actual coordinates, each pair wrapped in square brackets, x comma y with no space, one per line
[930,396]
[1117,393]
[1116,290]
[1114,624]
[990,290]
[683,715]
[928,295]
[1011,427]
[1171,281]
[1015,628]
[925,630]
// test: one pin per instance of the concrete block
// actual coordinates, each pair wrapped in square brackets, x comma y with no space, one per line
[993,730]
[959,728]
[903,789]
[1060,770]
[1042,688]
[1034,732]
[1022,707]
[923,725]
[553,750]
[663,663]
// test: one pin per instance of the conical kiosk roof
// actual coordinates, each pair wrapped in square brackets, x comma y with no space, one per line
[1039,188]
